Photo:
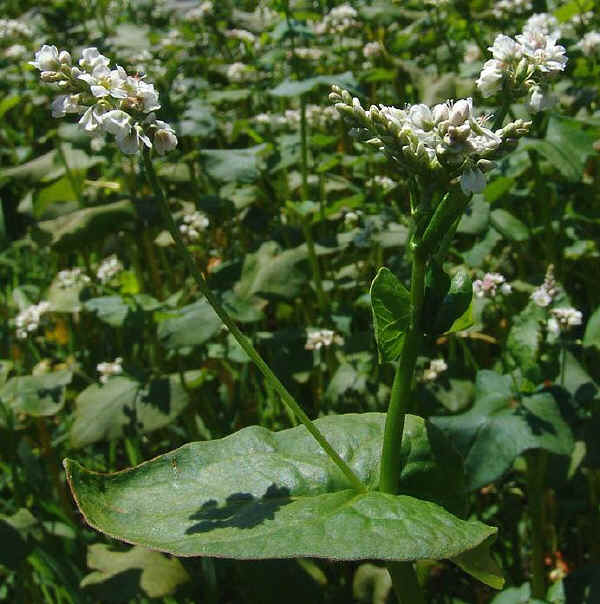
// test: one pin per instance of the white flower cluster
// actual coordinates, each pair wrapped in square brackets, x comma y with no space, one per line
[489,285]
[338,20]
[242,35]
[543,22]
[28,320]
[523,66]
[508,7]
[545,293]
[352,217]
[71,277]
[109,268]
[589,44]
[564,319]
[107,369]
[436,366]
[384,182]
[12,28]
[316,339]
[372,50]
[446,140]
[306,53]
[16,51]
[108,100]
[240,73]
[472,52]
[317,117]
[193,225]
[200,12]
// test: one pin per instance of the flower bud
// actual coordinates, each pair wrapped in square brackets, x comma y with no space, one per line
[64,58]
[485,165]
[164,140]
[460,112]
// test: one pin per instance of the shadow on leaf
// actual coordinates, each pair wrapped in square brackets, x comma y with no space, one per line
[241,510]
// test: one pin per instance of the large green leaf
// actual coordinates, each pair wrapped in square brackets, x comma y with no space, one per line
[390,302]
[499,427]
[258,494]
[191,325]
[271,270]
[36,395]
[241,165]
[508,225]
[295,88]
[455,304]
[112,310]
[524,340]
[118,576]
[592,330]
[82,227]
[103,411]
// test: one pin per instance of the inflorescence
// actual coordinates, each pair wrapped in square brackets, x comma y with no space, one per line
[108,100]
[443,142]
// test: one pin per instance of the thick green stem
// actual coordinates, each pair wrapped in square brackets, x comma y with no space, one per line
[400,399]
[536,470]
[406,585]
[242,340]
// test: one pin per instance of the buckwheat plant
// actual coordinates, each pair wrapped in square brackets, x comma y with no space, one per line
[345,487]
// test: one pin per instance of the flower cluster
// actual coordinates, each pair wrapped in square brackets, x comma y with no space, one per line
[338,20]
[200,12]
[316,339]
[240,72]
[489,285]
[524,66]
[72,277]
[12,28]
[107,369]
[372,50]
[590,43]
[316,116]
[544,23]
[383,182]
[242,35]
[306,53]
[564,319]
[441,142]
[28,320]
[108,100]
[109,268]
[193,225]
[508,7]
[545,293]
[436,366]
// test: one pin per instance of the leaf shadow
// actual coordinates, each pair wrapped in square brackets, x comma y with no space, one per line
[241,510]
[158,394]
[538,425]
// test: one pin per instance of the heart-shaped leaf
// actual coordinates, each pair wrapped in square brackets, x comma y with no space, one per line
[455,304]
[36,395]
[259,494]
[104,410]
[191,325]
[390,302]
[499,427]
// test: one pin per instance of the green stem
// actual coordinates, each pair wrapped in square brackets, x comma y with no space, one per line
[406,585]
[241,339]
[536,470]
[314,265]
[304,147]
[391,463]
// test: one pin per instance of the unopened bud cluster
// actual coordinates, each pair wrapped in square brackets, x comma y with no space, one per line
[564,319]
[338,20]
[436,366]
[525,65]
[440,143]
[108,100]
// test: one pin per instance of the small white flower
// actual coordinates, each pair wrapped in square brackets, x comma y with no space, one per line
[544,23]
[193,225]
[316,339]
[164,138]
[436,366]
[541,297]
[91,58]
[488,286]
[590,43]
[491,77]
[541,99]
[372,49]
[71,277]
[564,319]
[109,368]
[505,49]
[28,320]
[46,59]
[91,120]
[109,268]
[117,122]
